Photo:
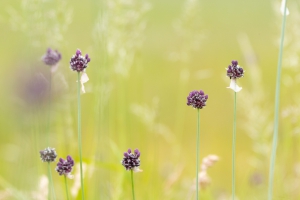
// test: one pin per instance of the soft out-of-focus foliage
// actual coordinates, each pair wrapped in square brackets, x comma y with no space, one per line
[43,21]
[146,56]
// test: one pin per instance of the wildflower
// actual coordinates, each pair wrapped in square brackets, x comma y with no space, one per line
[64,167]
[79,63]
[131,161]
[51,58]
[197,99]
[48,155]
[234,72]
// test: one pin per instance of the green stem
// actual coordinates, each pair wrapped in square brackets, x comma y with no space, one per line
[49,110]
[51,185]
[66,184]
[79,134]
[233,147]
[197,153]
[276,117]
[132,185]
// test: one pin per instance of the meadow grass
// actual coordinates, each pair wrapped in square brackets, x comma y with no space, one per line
[136,96]
[276,113]
[233,146]
[67,188]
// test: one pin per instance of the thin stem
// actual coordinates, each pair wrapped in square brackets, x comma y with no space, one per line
[197,153]
[66,184]
[276,117]
[51,185]
[49,110]
[79,134]
[132,185]
[233,147]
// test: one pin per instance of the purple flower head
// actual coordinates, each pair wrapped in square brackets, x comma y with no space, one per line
[131,161]
[234,70]
[64,167]
[137,153]
[51,57]
[197,99]
[78,62]
[48,155]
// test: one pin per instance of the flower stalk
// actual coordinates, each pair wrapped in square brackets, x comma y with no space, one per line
[79,134]
[234,72]
[66,184]
[51,185]
[197,153]
[51,58]
[64,167]
[197,99]
[131,161]
[79,64]
[49,110]
[276,115]
[49,155]
[233,147]
[132,184]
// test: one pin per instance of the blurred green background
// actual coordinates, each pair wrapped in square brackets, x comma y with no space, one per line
[146,56]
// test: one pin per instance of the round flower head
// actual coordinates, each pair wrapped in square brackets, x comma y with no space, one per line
[197,99]
[234,71]
[48,155]
[51,57]
[64,167]
[78,62]
[131,161]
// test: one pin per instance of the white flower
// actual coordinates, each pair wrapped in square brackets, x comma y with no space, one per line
[137,169]
[70,176]
[234,86]
[84,78]
[283,2]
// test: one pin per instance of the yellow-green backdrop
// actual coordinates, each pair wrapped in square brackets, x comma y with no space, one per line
[146,56]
